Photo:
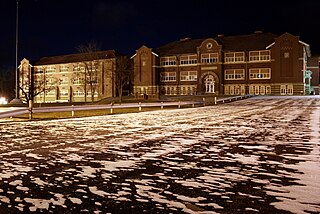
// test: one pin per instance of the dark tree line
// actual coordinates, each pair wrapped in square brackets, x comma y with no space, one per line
[7,82]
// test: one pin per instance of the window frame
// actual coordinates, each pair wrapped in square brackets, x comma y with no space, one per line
[259,57]
[189,76]
[233,58]
[251,77]
[190,59]
[234,74]
[167,76]
[168,61]
[211,59]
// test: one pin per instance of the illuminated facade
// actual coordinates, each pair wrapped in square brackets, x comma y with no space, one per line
[70,78]
[259,63]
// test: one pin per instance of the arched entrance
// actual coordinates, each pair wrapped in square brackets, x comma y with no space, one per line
[209,84]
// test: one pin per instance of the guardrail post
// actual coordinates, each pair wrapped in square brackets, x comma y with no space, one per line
[72,112]
[215,100]
[139,106]
[179,105]
[192,105]
[161,105]
[111,109]
[204,101]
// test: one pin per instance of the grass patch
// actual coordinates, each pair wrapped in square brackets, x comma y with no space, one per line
[89,113]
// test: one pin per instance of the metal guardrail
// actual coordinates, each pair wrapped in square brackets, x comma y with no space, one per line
[111,107]
[13,113]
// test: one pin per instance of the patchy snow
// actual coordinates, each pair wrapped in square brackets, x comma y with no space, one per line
[75,200]
[262,153]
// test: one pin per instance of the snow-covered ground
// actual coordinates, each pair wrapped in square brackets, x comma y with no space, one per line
[259,155]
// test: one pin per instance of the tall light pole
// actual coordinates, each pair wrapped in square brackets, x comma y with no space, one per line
[17,29]
[17,100]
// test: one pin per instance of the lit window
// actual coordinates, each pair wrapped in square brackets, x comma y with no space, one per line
[51,69]
[188,76]
[234,74]
[234,57]
[259,56]
[64,81]
[168,76]
[260,73]
[188,60]
[64,68]
[209,58]
[168,61]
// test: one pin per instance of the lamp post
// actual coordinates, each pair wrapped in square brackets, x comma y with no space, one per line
[17,30]
[17,100]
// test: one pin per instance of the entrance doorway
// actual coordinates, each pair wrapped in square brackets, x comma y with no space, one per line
[209,84]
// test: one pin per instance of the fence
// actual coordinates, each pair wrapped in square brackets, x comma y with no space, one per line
[111,107]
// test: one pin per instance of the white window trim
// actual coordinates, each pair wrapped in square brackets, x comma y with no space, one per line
[212,56]
[234,74]
[253,78]
[189,76]
[233,58]
[188,60]
[167,61]
[165,77]
[259,56]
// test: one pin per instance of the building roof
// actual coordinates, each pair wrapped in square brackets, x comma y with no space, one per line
[184,46]
[254,41]
[80,57]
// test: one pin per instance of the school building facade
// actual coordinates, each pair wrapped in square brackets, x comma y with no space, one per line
[259,63]
[81,77]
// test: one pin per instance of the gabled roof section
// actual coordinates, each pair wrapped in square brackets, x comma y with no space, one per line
[184,46]
[286,34]
[256,41]
[80,57]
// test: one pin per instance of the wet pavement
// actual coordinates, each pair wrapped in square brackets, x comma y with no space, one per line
[259,155]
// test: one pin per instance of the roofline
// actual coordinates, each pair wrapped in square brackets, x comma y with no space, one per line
[305,44]
[269,46]
[134,55]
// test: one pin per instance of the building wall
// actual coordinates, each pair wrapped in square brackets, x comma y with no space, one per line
[65,82]
[283,66]
[146,79]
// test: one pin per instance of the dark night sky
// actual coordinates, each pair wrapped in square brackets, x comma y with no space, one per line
[57,27]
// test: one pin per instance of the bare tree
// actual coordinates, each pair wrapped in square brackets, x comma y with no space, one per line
[122,73]
[90,60]
[31,85]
